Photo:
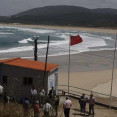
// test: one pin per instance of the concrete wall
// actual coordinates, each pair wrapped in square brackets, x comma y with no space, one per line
[15,86]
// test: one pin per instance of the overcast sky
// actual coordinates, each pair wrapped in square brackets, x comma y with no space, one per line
[10,7]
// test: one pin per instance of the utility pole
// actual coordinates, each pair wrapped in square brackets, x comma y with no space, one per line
[35,48]
[46,60]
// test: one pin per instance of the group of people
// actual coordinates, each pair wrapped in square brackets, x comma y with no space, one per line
[42,103]
[36,108]
[4,96]
[45,103]
[82,101]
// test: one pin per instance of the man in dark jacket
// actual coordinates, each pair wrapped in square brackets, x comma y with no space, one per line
[91,104]
[52,93]
[82,102]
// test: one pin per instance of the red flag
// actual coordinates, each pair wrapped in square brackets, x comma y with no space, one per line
[75,40]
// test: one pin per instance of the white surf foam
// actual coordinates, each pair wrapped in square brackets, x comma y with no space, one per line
[61,47]
[88,41]
[100,37]
[41,31]
[106,38]
[17,49]
[4,33]
[33,30]
[25,40]
[66,53]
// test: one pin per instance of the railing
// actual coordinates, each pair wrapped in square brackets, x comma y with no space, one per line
[101,99]
[89,91]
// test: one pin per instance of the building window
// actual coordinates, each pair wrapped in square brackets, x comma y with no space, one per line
[5,79]
[30,81]
[27,81]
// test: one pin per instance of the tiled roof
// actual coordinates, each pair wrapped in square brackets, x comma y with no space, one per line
[29,64]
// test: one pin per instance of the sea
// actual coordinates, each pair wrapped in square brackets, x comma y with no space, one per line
[19,41]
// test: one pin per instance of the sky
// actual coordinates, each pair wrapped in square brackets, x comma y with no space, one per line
[11,7]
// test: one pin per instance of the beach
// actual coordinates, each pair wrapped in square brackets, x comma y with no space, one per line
[88,70]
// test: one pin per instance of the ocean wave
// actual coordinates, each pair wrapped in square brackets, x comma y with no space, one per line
[106,38]
[22,49]
[17,49]
[41,31]
[71,53]
[93,42]
[65,35]
[25,40]
[5,33]
[59,45]
[33,30]
[97,36]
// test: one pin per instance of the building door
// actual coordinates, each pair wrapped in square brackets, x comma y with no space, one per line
[53,82]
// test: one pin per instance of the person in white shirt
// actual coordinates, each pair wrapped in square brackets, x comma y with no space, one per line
[47,108]
[42,93]
[42,96]
[66,106]
[1,92]
[33,94]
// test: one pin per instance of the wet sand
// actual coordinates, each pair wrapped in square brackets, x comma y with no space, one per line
[88,70]
[105,30]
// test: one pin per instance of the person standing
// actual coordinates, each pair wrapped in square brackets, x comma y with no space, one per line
[42,96]
[26,104]
[36,109]
[91,104]
[5,99]
[33,95]
[66,106]
[56,104]
[1,92]
[52,93]
[82,102]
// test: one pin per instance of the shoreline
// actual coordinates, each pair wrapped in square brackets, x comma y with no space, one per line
[85,61]
[72,28]
[88,69]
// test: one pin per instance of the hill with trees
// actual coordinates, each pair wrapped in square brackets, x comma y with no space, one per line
[67,15]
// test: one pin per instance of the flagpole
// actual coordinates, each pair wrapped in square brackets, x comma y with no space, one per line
[113,72]
[72,41]
[69,66]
